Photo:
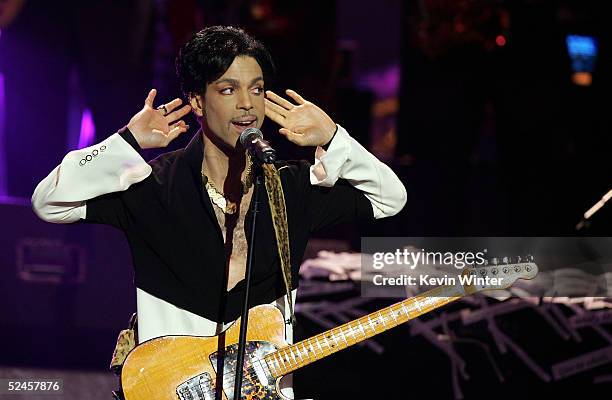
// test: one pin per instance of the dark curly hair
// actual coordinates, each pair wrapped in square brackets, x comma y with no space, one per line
[210,52]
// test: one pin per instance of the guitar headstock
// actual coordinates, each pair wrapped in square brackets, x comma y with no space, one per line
[496,276]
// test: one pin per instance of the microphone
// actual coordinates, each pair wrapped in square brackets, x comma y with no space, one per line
[252,140]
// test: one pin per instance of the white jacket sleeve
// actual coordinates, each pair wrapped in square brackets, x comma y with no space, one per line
[110,166]
[346,158]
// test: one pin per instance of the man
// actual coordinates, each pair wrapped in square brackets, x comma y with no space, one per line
[186,213]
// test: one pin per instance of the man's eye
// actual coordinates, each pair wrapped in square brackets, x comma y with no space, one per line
[258,90]
[228,90]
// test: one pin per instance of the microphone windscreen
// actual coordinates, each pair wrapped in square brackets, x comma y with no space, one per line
[249,134]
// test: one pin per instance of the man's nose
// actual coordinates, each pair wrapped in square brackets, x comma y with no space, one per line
[244,101]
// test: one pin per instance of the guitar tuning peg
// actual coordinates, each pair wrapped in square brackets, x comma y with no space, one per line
[518,259]
[494,261]
[528,258]
[506,260]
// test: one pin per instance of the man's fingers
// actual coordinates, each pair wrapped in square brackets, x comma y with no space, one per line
[150,98]
[274,116]
[276,108]
[174,132]
[178,114]
[279,100]
[177,129]
[295,96]
[173,104]
[291,136]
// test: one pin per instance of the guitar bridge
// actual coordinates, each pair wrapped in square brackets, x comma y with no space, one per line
[257,381]
[200,387]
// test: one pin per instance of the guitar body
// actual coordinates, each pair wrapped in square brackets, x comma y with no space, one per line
[186,367]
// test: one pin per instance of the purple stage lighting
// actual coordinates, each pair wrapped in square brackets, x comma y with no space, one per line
[88,129]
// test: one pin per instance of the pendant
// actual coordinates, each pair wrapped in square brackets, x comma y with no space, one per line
[228,207]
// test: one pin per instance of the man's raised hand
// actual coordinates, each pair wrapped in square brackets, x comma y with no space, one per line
[156,127]
[304,124]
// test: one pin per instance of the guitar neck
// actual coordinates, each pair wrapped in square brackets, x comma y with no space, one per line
[298,355]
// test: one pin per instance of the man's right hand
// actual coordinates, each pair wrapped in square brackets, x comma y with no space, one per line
[156,127]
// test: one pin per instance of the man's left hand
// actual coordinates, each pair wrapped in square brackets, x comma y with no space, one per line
[304,124]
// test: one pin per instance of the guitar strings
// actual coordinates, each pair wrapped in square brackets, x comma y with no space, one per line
[259,361]
[229,375]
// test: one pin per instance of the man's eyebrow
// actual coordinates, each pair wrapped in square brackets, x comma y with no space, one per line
[235,82]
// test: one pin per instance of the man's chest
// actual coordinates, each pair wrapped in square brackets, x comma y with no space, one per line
[234,239]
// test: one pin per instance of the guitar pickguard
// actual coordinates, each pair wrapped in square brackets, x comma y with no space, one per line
[257,381]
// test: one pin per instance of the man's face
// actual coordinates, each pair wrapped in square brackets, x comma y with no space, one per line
[235,101]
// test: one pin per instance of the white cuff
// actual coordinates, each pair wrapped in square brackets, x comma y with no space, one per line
[328,163]
[346,158]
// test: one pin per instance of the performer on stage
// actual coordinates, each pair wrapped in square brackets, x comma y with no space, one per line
[186,213]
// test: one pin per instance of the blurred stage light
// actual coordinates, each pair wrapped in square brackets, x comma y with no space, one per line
[500,40]
[583,54]
[582,78]
[88,130]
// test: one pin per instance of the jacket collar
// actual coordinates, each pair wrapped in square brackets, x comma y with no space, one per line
[193,154]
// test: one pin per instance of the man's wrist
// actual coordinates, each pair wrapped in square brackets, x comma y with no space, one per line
[326,145]
[129,137]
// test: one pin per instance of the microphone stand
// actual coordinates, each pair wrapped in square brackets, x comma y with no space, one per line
[244,318]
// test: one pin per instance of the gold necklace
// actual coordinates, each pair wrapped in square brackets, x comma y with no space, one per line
[218,198]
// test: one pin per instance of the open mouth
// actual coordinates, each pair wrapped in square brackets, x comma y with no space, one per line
[243,123]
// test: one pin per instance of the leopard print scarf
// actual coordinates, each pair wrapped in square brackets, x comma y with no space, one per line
[276,199]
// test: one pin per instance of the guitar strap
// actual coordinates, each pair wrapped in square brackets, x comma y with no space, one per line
[276,199]
[126,341]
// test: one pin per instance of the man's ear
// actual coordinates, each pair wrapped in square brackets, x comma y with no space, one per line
[197,105]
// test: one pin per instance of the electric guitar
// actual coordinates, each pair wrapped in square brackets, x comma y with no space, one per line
[193,367]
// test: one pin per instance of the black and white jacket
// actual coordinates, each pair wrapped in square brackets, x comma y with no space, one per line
[174,236]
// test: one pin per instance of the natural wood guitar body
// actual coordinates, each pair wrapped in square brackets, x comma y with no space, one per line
[156,368]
